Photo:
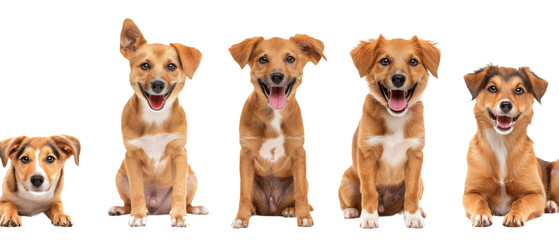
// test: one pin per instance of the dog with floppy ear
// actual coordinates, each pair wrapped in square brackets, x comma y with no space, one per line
[505,177]
[155,176]
[272,159]
[387,152]
[35,179]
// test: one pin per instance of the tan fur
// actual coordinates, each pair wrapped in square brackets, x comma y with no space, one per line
[257,126]
[139,122]
[369,173]
[19,197]
[516,189]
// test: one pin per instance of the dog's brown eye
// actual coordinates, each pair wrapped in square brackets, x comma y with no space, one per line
[145,66]
[384,61]
[50,159]
[492,89]
[519,91]
[24,159]
[290,59]
[263,60]
[414,62]
[171,67]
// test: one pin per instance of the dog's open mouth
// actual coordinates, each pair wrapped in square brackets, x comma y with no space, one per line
[503,124]
[277,96]
[397,99]
[156,102]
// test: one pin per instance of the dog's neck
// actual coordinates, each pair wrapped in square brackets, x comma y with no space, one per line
[150,116]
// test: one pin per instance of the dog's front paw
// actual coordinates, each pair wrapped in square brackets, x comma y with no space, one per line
[240,223]
[351,213]
[305,221]
[10,220]
[514,219]
[61,220]
[481,220]
[550,206]
[414,220]
[138,220]
[369,220]
[179,221]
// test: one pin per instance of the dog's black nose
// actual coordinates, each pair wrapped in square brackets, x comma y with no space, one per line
[157,86]
[506,106]
[37,180]
[398,80]
[277,77]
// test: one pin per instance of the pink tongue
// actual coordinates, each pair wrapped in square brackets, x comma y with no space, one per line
[277,98]
[397,100]
[156,101]
[504,122]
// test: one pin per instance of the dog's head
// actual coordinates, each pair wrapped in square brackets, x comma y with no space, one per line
[157,71]
[38,162]
[504,96]
[396,70]
[277,64]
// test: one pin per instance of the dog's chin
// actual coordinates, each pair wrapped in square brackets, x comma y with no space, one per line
[397,101]
[501,123]
[277,96]
[156,101]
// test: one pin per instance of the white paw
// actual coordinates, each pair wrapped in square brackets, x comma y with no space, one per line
[306,223]
[351,213]
[238,223]
[137,222]
[414,220]
[369,220]
[115,211]
[550,206]
[200,210]
[179,222]
[481,221]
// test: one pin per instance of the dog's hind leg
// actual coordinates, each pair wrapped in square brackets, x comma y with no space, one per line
[553,198]
[124,191]
[350,195]
[192,186]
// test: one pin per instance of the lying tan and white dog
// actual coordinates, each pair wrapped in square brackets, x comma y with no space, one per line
[34,182]
[155,176]
[273,160]
[387,152]
[504,176]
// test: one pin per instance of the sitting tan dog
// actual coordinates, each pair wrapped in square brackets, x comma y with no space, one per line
[34,182]
[273,160]
[155,176]
[504,176]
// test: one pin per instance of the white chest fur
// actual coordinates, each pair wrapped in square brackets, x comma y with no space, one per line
[158,117]
[154,147]
[272,149]
[394,145]
[497,144]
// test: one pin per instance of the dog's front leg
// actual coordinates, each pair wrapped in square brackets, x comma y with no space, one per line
[412,214]
[246,166]
[9,215]
[477,209]
[301,187]
[178,205]
[367,165]
[138,213]
[57,216]
[528,207]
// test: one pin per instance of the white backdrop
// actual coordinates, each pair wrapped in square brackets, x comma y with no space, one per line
[61,72]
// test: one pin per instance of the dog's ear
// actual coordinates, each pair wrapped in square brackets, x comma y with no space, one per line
[311,47]
[364,55]
[242,52]
[475,80]
[538,85]
[430,55]
[130,38]
[69,145]
[9,146]
[190,58]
